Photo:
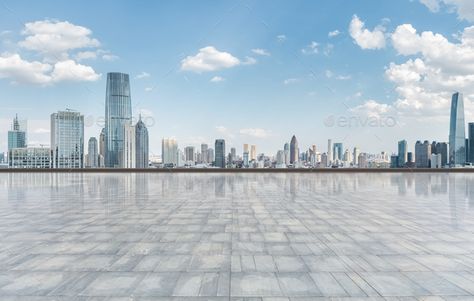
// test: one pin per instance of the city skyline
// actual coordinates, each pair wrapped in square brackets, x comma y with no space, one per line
[196,83]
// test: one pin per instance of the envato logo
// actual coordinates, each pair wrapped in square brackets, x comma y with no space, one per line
[91,120]
[360,121]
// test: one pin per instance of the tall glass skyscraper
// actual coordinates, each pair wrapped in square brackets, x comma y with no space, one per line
[17,135]
[141,143]
[220,153]
[294,150]
[402,153]
[338,150]
[118,113]
[470,134]
[457,132]
[67,139]
[93,153]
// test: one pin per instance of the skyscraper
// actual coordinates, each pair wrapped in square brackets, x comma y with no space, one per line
[442,149]
[127,154]
[102,143]
[118,113]
[189,155]
[17,135]
[67,139]
[402,153]
[338,150]
[169,152]
[355,154]
[253,152]
[233,154]
[220,153]
[457,133]
[330,154]
[286,153]
[422,154]
[204,155]
[470,134]
[93,153]
[141,143]
[294,150]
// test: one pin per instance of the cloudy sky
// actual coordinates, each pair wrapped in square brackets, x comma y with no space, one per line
[366,73]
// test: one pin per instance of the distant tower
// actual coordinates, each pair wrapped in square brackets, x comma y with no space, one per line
[118,113]
[294,150]
[355,158]
[128,153]
[220,153]
[402,153]
[330,154]
[17,135]
[253,152]
[204,155]
[93,153]
[457,132]
[141,143]
[169,152]
[67,139]
[286,153]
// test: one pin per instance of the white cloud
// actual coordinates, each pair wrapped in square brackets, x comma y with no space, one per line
[249,61]
[56,38]
[110,57]
[86,55]
[463,8]
[217,79]
[312,48]
[365,38]
[343,77]
[143,75]
[334,33]
[255,132]
[12,66]
[330,74]
[372,108]
[260,51]
[224,131]
[281,38]
[290,81]
[209,59]
[69,70]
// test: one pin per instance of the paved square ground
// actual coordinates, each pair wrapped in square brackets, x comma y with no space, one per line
[393,237]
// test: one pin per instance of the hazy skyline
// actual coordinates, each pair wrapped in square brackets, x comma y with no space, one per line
[363,73]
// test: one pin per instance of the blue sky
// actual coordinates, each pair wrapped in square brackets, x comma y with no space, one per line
[366,73]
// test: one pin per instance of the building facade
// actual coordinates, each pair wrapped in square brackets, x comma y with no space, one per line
[142,145]
[422,154]
[67,139]
[220,153]
[92,153]
[169,152]
[17,134]
[457,132]
[30,157]
[402,153]
[118,113]
[128,152]
[294,150]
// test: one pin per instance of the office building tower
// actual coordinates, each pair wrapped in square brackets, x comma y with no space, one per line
[422,154]
[338,150]
[67,139]
[189,155]
[181,158]
[30,157]
[470,136]
[394,161]
[118,113]
[128,152]
[169,152]
[402,153]
[355,154]
[17,134]
[233,154]
[436,160]
[324,160]
[280,159]
[442,149]
[253,152]
[245,159]
[363,163]
[92,153]
[219,160]
[210,155]
[457,133]
[204,156]
[347,156]
[246,148]
[294,150]
[286,153]
[102,142]
[141,144]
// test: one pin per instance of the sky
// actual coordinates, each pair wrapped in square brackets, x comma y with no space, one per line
[366,73]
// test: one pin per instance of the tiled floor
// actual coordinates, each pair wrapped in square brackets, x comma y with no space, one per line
[394,237]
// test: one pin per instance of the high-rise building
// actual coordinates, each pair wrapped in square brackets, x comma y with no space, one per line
[280,159]
[141,143]
[457,133]
[294,150]
[118,113]
[470,134]
[329,153]
[67,139]
[17,134]
[128,152]
[363,163]
[93,153]
[220,153]
[356,153]
[402,153]
[286,153]
[422,154]
[189,155]
[324,160]
[210,155]
[436,160]
[204,156]
[253,152]
[338,150]
[442,149]
[169,152]
[102,143]
[233,154]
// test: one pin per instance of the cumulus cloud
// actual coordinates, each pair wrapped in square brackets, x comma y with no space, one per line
[255,132]
[372,108]
[365,38]
[217,79]
[209,59]
[60,45]
[463,8]
[260,51]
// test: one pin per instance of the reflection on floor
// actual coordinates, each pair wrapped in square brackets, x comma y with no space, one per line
[237,237]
